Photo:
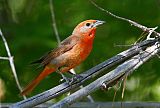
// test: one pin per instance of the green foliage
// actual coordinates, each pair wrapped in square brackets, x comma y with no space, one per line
[27,27]
[16,6]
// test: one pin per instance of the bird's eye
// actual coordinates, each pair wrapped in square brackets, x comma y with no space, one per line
[88,24]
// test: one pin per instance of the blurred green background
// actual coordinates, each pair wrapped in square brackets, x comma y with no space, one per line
[27,26]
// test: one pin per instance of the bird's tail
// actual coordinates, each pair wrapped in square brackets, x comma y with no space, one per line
[37,80]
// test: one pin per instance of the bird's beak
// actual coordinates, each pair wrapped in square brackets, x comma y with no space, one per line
[98,22]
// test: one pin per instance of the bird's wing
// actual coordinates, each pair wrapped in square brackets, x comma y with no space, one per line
[65,46]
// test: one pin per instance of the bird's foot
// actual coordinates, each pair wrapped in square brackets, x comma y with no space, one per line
[70,81]
[76,78]
[64,78]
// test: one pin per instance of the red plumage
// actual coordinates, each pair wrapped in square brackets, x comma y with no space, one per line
[72,51]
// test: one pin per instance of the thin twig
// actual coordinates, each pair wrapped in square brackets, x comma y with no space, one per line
[11,61]
[4,58]
[144,28]
[54,22]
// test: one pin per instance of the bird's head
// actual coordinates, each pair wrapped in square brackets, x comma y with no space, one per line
[87,28]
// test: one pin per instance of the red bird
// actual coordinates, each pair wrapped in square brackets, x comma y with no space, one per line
[72,51]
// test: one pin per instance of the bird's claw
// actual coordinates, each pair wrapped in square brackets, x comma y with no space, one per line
[70,81]
[75,79]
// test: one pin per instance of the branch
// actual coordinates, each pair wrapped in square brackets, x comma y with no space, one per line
[11,61]
[91,73]
[122,70]
[143,28]
[100,105]
[54,22]
[4,58]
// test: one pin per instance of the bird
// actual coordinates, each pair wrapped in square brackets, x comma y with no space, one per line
[69,54]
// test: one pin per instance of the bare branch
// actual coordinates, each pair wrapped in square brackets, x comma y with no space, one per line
[54,22]
[4,58]
[144,28]
[91,73]
[100,105]
[123,69]
[11,61]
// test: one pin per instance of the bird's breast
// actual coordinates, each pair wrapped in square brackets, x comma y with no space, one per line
[79,53]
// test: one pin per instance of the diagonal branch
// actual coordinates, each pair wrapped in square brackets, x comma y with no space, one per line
[11,61]
[91,73]
[121,71]
[144,28]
